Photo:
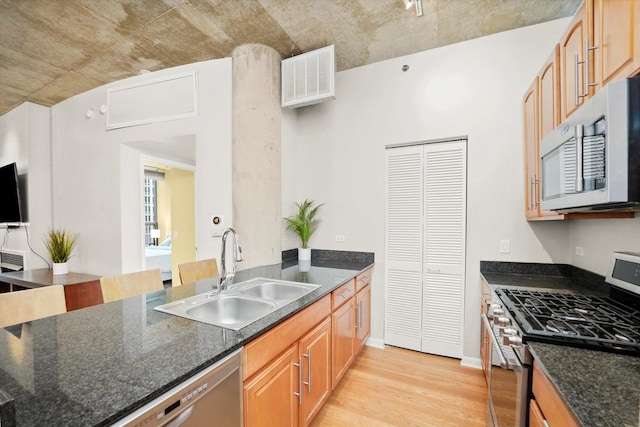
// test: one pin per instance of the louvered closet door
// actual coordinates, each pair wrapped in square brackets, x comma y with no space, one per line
[425,247]
[444,248]
[403,294]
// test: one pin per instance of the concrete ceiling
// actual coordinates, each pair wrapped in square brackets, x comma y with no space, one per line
[52,50]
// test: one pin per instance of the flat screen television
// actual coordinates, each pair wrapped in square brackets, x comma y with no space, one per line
[10,203]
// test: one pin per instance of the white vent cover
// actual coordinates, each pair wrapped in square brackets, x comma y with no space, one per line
[165,98]
[309,78]
[12,260]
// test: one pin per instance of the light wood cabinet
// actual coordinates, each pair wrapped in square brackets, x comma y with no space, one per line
[548,403]
[536,419]
[549,94]
[604,35]
[287,370]
[616,38]
[572,60]
[531,144]
[343,339]
[363,317]
[603,38]
[315,355]
[268,396]
[363,308]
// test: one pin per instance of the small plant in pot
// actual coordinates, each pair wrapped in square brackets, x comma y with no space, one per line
[304,224]
[60,244]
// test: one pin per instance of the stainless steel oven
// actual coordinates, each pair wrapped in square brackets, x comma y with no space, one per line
[508,379]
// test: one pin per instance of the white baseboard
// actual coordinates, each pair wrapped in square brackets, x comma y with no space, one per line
[375,342]
[471,362]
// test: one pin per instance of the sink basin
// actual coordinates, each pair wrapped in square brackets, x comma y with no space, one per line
[242,304]
[230,310]
[277,290]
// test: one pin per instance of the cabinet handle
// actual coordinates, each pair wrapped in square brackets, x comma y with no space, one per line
[531,189]
[545,423]
[433,270]
[308,382]
[536,200]
[575,83]
[587,85]
[360,315]
[299,394]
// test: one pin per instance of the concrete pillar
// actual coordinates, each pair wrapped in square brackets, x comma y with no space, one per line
[256,154]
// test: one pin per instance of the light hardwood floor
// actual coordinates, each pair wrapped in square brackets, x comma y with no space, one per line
[398,387]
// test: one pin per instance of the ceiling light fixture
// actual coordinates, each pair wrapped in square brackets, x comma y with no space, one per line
[409,3]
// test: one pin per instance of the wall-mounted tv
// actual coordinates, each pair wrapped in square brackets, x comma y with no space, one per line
[10,203]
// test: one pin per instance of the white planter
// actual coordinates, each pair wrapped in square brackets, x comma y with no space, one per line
[304,254]
[60,268]
[304,266]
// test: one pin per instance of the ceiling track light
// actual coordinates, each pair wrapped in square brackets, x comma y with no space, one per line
[409,3]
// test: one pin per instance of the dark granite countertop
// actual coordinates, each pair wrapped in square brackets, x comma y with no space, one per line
[600,388]
[93,366]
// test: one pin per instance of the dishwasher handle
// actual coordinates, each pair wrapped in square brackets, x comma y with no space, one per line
[182,417]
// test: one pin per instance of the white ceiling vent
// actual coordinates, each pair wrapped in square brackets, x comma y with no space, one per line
[309,78]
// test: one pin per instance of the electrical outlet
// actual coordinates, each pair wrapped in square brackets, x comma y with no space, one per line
[505,246]
[579,251]
[339,238]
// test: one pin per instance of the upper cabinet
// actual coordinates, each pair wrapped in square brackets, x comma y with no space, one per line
[616,38]
[541,116]
[601,44]
[572,48]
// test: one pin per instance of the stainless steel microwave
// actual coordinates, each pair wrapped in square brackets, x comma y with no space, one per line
[591,162]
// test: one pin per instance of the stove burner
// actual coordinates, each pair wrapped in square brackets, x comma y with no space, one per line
[581,320]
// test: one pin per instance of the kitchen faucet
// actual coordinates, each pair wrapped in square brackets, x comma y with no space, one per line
[227,278]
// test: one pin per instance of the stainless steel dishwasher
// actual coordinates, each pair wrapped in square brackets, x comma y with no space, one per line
[213,397]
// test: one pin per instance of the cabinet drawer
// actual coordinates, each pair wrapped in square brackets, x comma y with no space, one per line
[343,294]
[363,279]
[263,349]
[550,402]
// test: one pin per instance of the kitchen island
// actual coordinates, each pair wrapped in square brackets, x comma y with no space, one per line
[92,367]
[599,388]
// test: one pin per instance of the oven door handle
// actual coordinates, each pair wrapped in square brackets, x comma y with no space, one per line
[504,364]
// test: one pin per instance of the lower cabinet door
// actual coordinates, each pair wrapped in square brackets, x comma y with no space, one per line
[343,337]
[315,353]
[363,317]
[269,398]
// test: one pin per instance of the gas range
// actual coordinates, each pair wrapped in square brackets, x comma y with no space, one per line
[558,317]
[585,321]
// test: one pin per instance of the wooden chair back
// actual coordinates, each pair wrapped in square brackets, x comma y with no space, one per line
[128,285]
[198,270]
[31,304]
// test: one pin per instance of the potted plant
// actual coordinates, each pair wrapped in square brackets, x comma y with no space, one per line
[60,243]
[304,224]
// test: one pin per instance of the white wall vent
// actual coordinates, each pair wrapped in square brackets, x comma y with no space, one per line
[158,100]
[309,78]
[11,260]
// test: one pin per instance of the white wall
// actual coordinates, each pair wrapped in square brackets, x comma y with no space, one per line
[473,88]
[25,139]
[96,177]
[599,238]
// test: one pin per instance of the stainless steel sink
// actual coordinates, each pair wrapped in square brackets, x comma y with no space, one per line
[230,310]
[242,304]
[277,290]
